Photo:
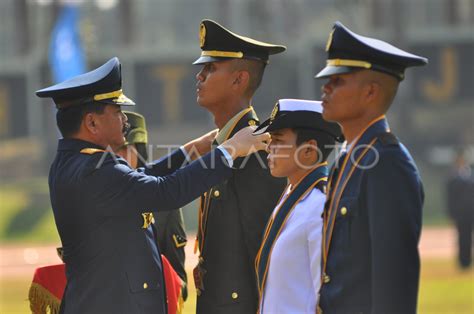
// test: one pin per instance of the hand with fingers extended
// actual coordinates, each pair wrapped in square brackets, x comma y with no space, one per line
[244,142]
[201,145]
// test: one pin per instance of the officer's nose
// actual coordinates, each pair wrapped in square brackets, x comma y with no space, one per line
[325,88]
[200,75]
[270,146]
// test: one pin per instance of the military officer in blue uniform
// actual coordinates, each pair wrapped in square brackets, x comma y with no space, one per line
[372,218]
[99,202]
[167,229]
[233,214]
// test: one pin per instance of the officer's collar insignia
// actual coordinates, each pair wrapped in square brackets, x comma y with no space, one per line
[274,112]
[329,42]
[202,35]
[148,219]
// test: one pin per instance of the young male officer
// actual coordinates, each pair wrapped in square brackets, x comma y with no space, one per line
[289,260]
[233,214]
[99,201]
[372,219]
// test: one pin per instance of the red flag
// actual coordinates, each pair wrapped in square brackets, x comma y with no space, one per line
[173,285]
[47,289]
[49,282]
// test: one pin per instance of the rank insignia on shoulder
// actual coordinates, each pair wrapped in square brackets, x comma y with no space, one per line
[179,241]
[91,151]
[148,219]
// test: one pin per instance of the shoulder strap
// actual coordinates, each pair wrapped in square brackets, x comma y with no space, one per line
[91,151]
[387,138]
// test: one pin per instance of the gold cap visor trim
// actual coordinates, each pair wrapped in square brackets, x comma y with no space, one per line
[115,94]
[123,100]
[349,63]
[117,97]
[223,54]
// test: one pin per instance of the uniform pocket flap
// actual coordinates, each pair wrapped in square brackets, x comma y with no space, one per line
[141,281]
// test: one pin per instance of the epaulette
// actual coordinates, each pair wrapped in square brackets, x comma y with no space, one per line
[91,151]
[388,138]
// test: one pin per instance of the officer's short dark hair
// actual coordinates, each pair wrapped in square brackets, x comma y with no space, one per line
[255,68]
[69,119]
[324,140]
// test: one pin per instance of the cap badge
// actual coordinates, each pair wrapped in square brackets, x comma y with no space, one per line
[274,112]
[329,42]
[202,35]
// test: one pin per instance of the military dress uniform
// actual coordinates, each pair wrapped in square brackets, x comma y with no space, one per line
[233,214]
[232,219]
[171,237]
[99,205]
[288,264]
[168,226]
[372,218]
[460,203]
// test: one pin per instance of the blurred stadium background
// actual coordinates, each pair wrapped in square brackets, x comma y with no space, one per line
[157,40]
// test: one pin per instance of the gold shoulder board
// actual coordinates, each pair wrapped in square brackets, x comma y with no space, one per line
[91,151]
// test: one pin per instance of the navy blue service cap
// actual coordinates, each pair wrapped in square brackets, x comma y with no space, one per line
[299,113]
[218,43]
[348,51]
[102,85]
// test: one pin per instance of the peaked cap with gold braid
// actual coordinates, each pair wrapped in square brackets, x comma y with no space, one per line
[348,51]
[102,85]
[218,43]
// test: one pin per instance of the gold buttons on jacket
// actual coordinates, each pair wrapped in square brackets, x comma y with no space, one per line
[343,211]
[145,285]
[326,278]
[198,292]
[217,193]
[235,295]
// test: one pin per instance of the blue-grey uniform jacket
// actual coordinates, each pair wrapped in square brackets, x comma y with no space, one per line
[370,259]
[98,201]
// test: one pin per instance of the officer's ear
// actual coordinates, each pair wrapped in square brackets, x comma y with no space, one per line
[311,147]
[373,91]
[90,123]
[308,151]
[241,79]
[369,88]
